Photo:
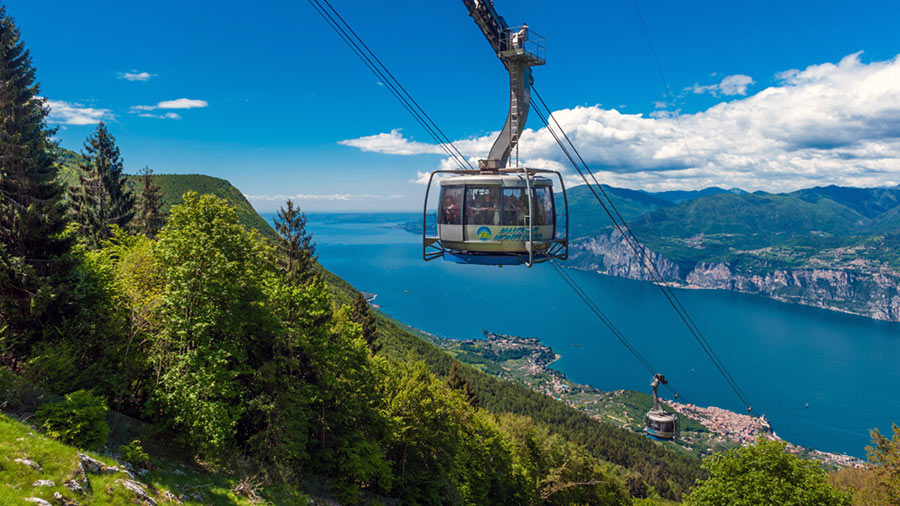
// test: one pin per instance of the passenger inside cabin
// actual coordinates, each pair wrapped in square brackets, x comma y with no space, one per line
[450,207]
[482,206]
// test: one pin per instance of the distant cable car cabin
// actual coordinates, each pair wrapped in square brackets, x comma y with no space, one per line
[499,215]
[660,424]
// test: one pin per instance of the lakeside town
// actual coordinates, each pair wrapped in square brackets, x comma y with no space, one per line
[703,430]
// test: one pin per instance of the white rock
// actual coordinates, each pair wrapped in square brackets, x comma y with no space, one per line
[62,501]
[38,501]
[74,486]
[43,483]
[30,463]
[138,490]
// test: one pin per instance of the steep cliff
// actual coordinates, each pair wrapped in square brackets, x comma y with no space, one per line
[858,286]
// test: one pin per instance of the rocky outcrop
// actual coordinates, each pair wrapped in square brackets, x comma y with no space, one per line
[875,294]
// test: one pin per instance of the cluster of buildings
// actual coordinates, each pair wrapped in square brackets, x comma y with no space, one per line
[745,429]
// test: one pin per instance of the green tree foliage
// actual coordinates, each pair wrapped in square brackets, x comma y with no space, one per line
[557,471]
[296,243]
[148,206]
[101,198]
[425,431]
[79,419]
[665,472]
[362,314]
[884,454]
[90,349]
[33,263]
[877,484]
[211,314]
[761,475]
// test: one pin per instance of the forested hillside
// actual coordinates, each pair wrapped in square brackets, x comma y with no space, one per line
[150,317]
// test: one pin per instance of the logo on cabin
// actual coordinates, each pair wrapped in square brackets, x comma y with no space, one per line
[483,233]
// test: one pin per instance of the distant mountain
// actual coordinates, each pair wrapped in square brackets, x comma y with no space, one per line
[679,196]
[587,217]
[870,202]
[832,247]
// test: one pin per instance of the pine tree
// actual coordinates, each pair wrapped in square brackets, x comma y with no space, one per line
[361,313]
[148,213]
[102,198]
[457,381]
[296,242]
[34,262]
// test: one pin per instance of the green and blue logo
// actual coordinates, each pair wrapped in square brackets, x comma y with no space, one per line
[483,233]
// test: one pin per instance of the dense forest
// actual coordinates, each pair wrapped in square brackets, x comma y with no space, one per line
[237,352]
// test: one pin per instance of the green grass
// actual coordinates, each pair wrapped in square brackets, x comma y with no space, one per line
[59,463]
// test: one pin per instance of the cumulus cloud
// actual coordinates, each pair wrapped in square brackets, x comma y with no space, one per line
[180,103]
[134,75]
[833,123]
[66,113]
[730,85]
[392,143]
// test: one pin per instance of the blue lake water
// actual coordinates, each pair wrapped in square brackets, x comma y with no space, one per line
[783,356]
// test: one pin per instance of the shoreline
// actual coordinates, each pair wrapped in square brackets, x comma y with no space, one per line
[704,430]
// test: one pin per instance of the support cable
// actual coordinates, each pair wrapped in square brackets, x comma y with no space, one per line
[337,23]
[606,321]
[667,92]
[640,251]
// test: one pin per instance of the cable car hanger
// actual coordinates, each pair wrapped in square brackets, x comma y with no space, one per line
[500,215]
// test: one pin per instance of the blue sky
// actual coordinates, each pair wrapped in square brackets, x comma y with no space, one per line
[263,94]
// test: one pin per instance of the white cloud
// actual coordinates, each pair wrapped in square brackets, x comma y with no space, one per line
[392,143]
[181,103]
[66,113]
[333,196]
[423,177]
[136,76]
[168,115]
[834,123]
[730,85]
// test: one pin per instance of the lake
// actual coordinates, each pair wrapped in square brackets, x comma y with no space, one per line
[783,356]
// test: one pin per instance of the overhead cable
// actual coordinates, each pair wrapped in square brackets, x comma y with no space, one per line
[368,57]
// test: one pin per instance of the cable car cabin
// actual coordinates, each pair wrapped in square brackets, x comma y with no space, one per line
[502,217]
[660,424]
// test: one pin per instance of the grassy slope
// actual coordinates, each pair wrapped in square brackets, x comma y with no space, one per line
[174,186]
[60,463]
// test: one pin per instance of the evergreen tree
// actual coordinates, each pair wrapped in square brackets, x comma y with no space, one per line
[362,314]
[297,243]
[148,213]
[102,198]
[464,385]
[34,263]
